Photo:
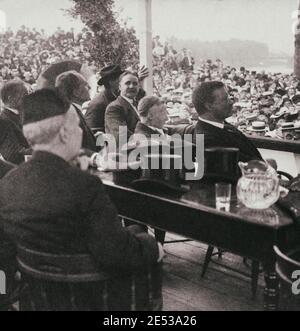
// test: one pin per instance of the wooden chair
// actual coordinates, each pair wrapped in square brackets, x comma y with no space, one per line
[254,267]
[74,283]
[254,264]
[287,263]
[13,286]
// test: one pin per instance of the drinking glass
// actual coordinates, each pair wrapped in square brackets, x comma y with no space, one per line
[223,196]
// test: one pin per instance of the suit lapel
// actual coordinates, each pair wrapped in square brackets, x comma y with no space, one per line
[129,108]
[79,113]
[234,137]
[87,131]
[243,141]
[16,119]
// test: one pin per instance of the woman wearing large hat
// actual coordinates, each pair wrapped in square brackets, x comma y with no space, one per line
[96,109]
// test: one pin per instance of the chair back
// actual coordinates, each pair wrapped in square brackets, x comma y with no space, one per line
[8,267]
[59,268]
[74,282]
[287,263]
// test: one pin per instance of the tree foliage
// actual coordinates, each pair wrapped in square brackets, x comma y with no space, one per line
[112,41]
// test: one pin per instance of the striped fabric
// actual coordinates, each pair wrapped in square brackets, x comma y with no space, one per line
[13,144]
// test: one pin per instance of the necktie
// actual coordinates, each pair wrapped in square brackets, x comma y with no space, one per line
[135,103]
[134,107]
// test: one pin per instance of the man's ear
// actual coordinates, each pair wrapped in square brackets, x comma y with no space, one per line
[208,106]
[10,99]
[150,116]
[76,93]
[63,134]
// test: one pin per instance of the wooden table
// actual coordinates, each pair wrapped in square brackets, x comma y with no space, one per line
[283,145]
[242,231]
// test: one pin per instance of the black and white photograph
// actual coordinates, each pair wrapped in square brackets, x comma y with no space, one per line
[149,158]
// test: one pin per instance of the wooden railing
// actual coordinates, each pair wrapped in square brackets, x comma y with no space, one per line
[276,144]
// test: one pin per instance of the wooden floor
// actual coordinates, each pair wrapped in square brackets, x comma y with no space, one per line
[222,289]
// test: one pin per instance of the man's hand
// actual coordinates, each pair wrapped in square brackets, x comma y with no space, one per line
[143,73]
[83,162]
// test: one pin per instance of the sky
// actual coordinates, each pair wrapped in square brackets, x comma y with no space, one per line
[267,21]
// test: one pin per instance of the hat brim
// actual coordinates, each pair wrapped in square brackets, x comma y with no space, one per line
[103,80]
[159,186]
[122,167]
[276,116]
[126,177]
[288,129]
[257,130]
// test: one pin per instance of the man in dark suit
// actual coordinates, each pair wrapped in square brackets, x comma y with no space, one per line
[12,94]
[123,113]
[96,110]
[7,249]
[154,115]
[188,61]
[5,167]
[74,88]
[110,77]
[213,106]
[13,145]
[60,209]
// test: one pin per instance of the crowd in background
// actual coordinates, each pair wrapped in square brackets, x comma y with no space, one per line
[265,104]
[26,53]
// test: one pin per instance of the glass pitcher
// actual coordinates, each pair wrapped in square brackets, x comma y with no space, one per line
[258,188]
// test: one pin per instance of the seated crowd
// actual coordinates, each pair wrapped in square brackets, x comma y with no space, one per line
[265,104]
[26,53]
[57,208]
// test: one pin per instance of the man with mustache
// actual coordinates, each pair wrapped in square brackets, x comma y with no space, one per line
[213,106]
[123,111]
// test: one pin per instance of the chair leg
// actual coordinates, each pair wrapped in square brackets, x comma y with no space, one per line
[254,277]
[208,256]
[160,235]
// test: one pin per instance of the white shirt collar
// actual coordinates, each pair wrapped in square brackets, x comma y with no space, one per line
[77,105]
[161,131]
[14,111]
[128,100]
[216,124]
